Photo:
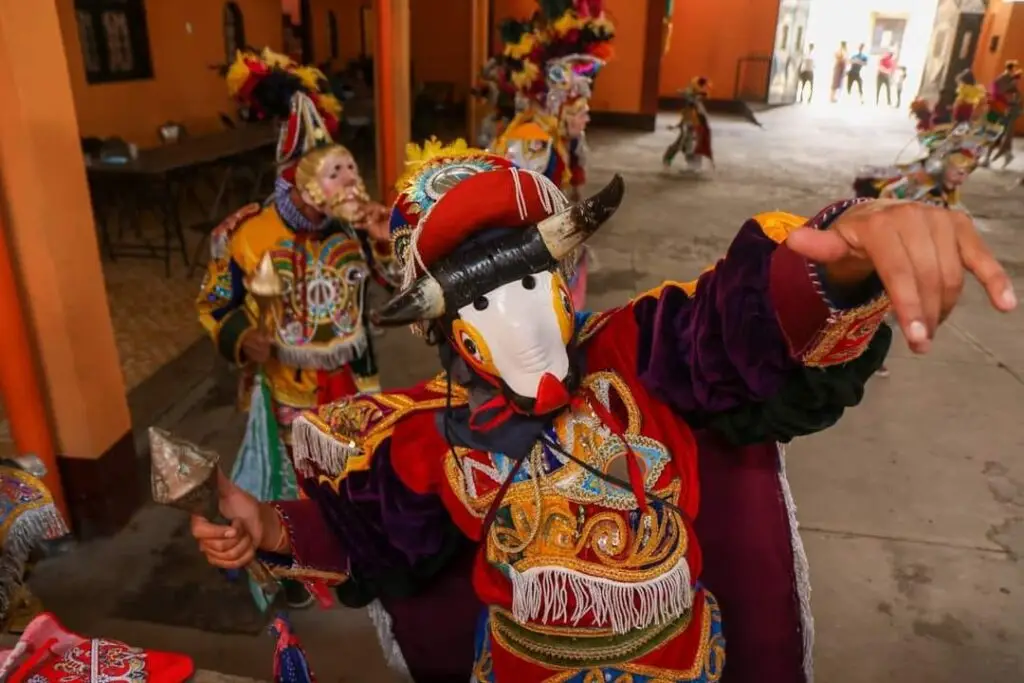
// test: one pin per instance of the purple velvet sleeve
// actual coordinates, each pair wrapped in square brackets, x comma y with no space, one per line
[760,314]
[723,346]
[372,524]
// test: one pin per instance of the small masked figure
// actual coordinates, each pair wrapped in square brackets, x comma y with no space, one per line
[694,138]
[1004,110]
[952,154]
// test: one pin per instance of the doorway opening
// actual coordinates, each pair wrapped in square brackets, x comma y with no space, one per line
[885,36]
[297,31]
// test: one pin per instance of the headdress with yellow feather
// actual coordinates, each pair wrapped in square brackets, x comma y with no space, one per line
[274,86]
[553,58]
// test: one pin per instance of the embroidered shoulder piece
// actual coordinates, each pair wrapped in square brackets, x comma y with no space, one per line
[342,437]
[221,235]
[589,324]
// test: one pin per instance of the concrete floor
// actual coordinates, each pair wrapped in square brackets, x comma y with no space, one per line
[912,508]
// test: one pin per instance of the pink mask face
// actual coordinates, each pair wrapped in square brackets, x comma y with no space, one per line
[576,122]
[338,175]
[954,176]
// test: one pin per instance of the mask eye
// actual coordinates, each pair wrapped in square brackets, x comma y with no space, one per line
[481,303]
[566,300]
[470,346]
[562,305]
[529,282]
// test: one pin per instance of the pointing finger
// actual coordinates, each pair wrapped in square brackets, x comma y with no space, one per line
[895,269]
[979,260]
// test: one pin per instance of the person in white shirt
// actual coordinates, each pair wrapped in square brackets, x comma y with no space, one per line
[806,86]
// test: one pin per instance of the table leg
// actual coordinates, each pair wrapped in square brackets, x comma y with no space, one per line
[172,224]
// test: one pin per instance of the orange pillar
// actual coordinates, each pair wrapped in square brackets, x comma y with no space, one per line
[392,86]
[51,237]
[19,385]
[480,27]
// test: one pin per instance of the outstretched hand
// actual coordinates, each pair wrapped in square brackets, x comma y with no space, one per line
[920,252]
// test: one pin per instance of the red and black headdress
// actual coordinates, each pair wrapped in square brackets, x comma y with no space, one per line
[451,197]
[554,57]
[274,86]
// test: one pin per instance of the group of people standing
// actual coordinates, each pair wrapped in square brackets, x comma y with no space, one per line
[848,74]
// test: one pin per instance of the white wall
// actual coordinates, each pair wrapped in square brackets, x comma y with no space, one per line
[851,20]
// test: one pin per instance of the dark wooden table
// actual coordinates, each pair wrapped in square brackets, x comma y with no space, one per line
[159,176]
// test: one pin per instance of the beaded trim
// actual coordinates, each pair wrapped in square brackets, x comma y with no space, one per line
[846,331]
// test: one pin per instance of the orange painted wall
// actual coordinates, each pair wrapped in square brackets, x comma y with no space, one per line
[349,14]
[441,43]
[620,84]
[48,215]
[710,37]
[184,87]
[1004,20]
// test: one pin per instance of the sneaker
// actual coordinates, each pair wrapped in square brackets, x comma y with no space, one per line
[882,371]
[297,595]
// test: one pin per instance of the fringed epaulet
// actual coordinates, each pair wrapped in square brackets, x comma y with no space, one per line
[28,516]
[342,437]
[220,238]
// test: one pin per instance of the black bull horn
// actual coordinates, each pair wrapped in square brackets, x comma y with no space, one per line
[461,278]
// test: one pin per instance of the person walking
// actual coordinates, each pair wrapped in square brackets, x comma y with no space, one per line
[854,77]
[883,79]
[899,79]
[806,75]
[838,69]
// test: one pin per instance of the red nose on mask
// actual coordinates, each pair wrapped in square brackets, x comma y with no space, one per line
[551,395]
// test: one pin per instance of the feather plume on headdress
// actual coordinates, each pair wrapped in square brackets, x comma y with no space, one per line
[268,82]
[554,57]
[275,87]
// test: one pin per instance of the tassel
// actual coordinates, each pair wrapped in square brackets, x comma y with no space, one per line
[290,664]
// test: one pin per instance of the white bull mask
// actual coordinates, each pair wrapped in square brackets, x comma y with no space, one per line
[505,308]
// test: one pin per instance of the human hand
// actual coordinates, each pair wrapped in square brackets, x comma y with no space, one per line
[919,252]
[256,345]
[375,220]
[233,545]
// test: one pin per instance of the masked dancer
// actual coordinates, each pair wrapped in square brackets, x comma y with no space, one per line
[552,60]
[284,293]
[694,138]
[1004,109]
[617,475]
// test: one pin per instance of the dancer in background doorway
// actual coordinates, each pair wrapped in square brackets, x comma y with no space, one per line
[694,138]
[1005,108]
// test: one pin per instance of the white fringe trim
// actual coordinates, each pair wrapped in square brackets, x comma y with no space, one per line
[314,452]
[388,645]
[541,595]
[310,357]
[802,570]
